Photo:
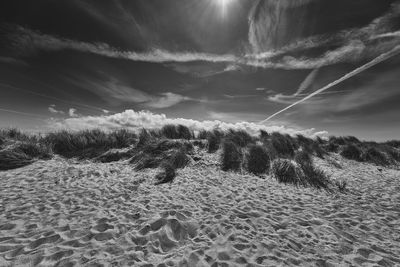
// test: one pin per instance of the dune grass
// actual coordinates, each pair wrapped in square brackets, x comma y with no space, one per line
[231,157]
[170,148]
[258,160]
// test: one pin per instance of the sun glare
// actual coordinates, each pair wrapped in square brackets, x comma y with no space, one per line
[223,4]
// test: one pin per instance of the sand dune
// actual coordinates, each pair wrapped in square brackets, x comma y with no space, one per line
[66,213]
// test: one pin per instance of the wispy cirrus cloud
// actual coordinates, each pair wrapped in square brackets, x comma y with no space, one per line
[351,46]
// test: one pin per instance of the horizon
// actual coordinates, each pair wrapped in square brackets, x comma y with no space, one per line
[230,61]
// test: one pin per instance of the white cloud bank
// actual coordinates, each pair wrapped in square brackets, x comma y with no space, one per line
[135,121]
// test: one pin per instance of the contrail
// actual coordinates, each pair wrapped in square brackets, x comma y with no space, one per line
[370,64]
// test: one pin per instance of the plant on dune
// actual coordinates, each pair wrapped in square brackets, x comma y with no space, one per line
[258,160]
[169,131]
[352,152]
[340,141]
[2,141]
[167,175]
[184,132]
[13,159]
[373,155]
[332,147]
[157,152]
[179,159]
[144,138]
[393,143]
[231,158]
[35,150]
[86,144]
[315,177]
[287,171]
[214,141]
[264,135]
[123,138]
[239,137]
[284,145]
[303,158]
[341,185]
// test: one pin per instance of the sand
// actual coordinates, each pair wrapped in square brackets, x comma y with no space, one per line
[66,213]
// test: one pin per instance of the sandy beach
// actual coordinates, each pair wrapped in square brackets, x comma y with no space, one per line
[66,213]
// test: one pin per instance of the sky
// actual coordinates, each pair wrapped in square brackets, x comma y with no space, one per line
[131,63]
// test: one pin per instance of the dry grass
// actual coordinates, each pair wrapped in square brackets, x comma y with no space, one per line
[258,160]
[232,157]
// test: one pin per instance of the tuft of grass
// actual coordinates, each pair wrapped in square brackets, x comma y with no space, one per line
[171,131]
[158,152]
[341,185]
[303,158]
[89,143]
[231,158]
[179,159]
[167,175]
[214,140]
[352,152]
[258,160]
[376,156]
[264,135]
[287,172]
[239,137]
[315,177]
[35,150]
[13,159]
[284,145]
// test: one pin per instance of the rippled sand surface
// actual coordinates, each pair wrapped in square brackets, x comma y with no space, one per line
[65,213]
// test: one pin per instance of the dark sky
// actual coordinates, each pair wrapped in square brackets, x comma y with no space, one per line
[78,62]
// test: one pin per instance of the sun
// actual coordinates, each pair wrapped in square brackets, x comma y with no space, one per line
[224,6]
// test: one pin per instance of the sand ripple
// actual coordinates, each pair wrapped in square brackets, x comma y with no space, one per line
[63,213]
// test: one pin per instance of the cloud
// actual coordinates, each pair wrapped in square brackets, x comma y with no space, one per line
[72,112]
[28,42]
[394,52]
[135,121]
[52,109]
[112,90]
[166,100]
[345,46]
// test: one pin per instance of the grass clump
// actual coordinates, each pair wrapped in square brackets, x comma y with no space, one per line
[89,143]
[315,177]
[35,150]
[284,145]
[231,158]
[172,131]
[376,156]
[239,137]
[287,172]
[352,152]
[167,175]
[214,140]
[13,159]
[258,160]
[303,158]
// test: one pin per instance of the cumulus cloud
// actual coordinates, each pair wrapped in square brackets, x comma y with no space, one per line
[72,112]
[52,109]
[135,121]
